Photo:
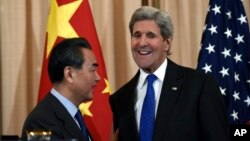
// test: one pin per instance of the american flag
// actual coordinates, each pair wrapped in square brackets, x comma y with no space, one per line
[225,54]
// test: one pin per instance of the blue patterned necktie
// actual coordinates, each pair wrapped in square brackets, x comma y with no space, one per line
[80,120]
[148,111]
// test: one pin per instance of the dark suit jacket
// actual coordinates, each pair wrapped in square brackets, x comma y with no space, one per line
[51,115]
[194,112]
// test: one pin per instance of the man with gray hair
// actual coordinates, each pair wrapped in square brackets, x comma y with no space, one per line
[165,101]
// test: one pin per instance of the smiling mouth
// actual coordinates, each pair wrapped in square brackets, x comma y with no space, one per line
[144,52]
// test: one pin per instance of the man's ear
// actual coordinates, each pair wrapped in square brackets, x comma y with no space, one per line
[168,44]
[69,74]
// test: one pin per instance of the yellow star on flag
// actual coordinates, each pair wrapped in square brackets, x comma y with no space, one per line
[58,22]
[84,108]
[108,88]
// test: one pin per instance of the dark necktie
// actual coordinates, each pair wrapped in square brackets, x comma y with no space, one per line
[148,111]
[83,127]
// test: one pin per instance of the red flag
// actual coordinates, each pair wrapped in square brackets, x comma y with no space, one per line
[73,18]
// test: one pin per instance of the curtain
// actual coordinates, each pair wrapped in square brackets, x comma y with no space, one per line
[22,39]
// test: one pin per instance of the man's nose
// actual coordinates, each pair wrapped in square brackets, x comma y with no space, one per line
[143,41]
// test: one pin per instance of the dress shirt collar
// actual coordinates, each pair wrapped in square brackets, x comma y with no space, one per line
[71,108]
[160,74]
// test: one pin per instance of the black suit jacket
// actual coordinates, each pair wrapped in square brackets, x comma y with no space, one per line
[194,112]
[51,115]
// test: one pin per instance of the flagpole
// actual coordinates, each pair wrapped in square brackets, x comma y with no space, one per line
[156,4]
[144,2]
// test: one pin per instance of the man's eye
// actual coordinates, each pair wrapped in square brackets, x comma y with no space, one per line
[136,35]
[151,35]
[93,69]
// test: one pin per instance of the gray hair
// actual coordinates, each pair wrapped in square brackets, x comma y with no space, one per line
[162,19]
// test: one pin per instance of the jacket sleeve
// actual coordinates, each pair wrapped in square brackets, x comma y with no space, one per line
[212,112]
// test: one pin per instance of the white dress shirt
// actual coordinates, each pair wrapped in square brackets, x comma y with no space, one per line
[142,88]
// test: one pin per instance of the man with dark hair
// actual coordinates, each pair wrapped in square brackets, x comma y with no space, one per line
[72,70]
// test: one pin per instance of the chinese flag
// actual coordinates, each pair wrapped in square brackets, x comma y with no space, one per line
[73,18]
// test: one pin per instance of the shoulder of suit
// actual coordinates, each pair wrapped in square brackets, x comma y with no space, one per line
[187,71]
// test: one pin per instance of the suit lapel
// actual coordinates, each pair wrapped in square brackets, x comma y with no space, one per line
[169,95]
[129,121]
[129,129]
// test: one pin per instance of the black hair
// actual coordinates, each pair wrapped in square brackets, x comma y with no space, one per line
[66,53]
